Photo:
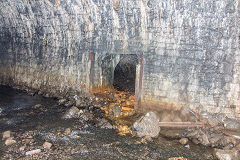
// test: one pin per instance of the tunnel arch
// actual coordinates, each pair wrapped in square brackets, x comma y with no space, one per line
[112,66]
[107,66]
[124,77]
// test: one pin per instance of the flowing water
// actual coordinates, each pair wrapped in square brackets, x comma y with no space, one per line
[33,124]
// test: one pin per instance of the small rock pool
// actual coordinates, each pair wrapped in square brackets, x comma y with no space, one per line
[34,119]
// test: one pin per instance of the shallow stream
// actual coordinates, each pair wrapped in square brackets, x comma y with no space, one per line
[36,119]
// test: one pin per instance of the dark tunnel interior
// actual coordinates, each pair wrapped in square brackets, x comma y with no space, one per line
[125,74]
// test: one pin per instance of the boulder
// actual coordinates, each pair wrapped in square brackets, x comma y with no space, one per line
[71,113]
[147,125]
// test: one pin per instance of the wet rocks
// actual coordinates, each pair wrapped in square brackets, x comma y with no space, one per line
[73,112]
[147,125]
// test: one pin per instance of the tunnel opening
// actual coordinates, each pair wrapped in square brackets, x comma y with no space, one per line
[125,74]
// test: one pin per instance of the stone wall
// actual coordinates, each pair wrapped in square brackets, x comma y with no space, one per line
[189,49]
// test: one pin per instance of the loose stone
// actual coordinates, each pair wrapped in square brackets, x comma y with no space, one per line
[147,125]
[68,131]
[183,141]
[71,113]
[6,134]
[10,141]
[47,145]
[32,152]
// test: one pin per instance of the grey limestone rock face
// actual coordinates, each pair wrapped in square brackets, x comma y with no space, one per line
[147,125]
[189,49]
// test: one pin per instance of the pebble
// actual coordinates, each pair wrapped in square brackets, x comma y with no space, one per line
[22,148]
[28,140]
[67,131]
[78,102]
[47,145]
[205,140]
[183,141]
[37,106]
[116,110]
[68,104]
[6,134]
[10,141]
[195,141]
[61,101]
[32,152]
[187,146]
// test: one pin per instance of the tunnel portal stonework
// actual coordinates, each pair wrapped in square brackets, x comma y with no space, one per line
[188,50]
